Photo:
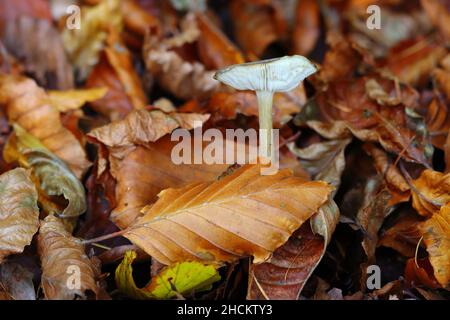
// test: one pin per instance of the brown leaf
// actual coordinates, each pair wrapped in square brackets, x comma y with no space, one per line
[17,281]
[62,256]
[438,12]
[254,27]
[307,27]
[135,161]
[43,54]
[214,48]
[436,236]
[19,213]
[27,104]
[420,273]
[242,214]
[229,104]
[291,265]
[438,121]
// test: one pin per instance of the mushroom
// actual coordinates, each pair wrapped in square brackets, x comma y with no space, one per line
[266,77]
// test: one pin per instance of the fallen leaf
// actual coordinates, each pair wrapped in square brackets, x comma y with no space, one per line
[324,160]
[431,191]
[83,45]
[420,273]
[19,213]
[69,100]
[62,258]
[307,27]
[436,236]
[52,177]
[182,278]
[439,15]
[17,281]
[215,50]
[202,234]
[291,265]
[27,104]
[43,54]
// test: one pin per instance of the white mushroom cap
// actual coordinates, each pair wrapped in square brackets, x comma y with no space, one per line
[273,75]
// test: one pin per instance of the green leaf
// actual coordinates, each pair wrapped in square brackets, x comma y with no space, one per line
[180,278]
[60,192]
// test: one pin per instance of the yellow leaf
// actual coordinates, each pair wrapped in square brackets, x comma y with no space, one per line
[242,214]
[74,99]
[436,235]
[84,45]
[181,278]
[432,190]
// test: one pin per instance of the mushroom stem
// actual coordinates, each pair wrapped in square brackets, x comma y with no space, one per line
[265,99]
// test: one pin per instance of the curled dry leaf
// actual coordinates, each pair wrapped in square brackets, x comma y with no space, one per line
[181,278]
[83,45]
[19,213]
[182,78]
[62,256]
[438,121]
[291,265]
[395,181]
[324,160]
[27,104]
[43,54]
[436,236]
[252,215]
[59,190]
[431,191]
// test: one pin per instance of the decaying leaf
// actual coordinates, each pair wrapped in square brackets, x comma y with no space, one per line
[17,281]
[59,190]
[27,104]
[19,213]
[252,215]
[182,278]
[62,259]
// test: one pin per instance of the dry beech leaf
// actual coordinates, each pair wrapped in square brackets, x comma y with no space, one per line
[43,54]
[182,78]
[438,121]
[291,265]
[181,278]
[254,27]
[19,213]
[395,181]
[137,19]
[242,214]
[17,281]
[68,100]
[59,190]
[307,27]
[142,166]
[420,272]
[84,45]
[439,15]
[324,160]
[61,255]
[436,236]
[431,191]
[412,61]
[27,104]
[141,127]
[215,50]
[285,104]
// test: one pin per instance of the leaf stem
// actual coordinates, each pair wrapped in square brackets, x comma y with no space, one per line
[105,237]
